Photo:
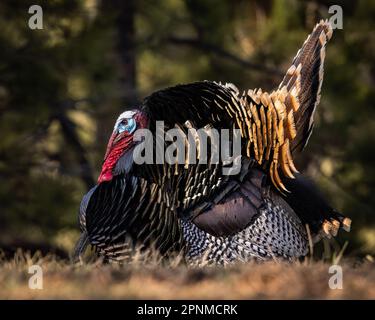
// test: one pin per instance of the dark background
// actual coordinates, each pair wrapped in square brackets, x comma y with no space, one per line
[61,89]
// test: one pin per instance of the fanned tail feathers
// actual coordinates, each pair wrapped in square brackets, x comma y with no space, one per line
[304,80]
[276,124]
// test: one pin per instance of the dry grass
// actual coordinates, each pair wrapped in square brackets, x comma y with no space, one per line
[307,280]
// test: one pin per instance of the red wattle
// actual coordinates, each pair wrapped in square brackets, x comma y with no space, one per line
[113,154]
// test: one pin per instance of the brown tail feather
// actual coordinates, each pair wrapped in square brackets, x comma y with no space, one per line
[305,78]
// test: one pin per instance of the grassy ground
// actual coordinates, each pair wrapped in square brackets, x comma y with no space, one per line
[272,280]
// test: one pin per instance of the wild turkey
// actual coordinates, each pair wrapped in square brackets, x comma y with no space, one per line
[261,212]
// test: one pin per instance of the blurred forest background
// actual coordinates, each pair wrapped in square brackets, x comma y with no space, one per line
[61,89]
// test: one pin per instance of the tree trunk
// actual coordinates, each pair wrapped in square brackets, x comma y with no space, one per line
[124,12]
[120,15]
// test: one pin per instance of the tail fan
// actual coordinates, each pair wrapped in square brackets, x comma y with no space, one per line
[304,80]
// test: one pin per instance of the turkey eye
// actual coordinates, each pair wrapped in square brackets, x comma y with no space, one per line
[128,125]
